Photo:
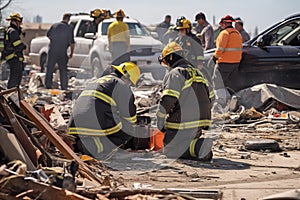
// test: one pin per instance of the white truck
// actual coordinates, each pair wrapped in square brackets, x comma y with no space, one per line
[91,51]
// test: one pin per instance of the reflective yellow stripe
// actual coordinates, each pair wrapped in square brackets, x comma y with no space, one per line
[16,43]
[99,95]
[200,57]
[161,115]
[197,79]
[170,92]
[10,56]
[132,119]
[192,147]
[104,79]
[188,125]
[211,94]
[1,45]
[98,144]
[229,49]
[95,132]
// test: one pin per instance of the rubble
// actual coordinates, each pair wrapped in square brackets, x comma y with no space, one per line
[256,144]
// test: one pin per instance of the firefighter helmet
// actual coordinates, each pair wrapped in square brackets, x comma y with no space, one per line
[130,70]
[227,19]
[170,48]
[15,16]
[96,13]
[179,19]
[184,23]
[119,13]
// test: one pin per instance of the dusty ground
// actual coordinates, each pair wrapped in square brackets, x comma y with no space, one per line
[234,171]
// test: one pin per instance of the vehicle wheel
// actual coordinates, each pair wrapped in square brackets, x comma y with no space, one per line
[43,62]
[97,69]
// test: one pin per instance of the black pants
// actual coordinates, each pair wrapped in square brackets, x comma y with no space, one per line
[100,147]
[16,72]
[227,70]
[61,59]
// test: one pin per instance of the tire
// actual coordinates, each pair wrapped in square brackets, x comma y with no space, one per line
[43,62]
[97,69]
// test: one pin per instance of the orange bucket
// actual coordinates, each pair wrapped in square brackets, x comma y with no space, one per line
[156,139]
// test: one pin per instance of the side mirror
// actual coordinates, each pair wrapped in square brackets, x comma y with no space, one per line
[154,34]
[90,36]
[263,40]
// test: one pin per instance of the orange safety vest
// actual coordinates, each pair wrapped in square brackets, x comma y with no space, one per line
[229,46]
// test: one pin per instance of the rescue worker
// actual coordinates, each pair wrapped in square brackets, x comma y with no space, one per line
[13,50]
[61,38]
[239,25]
[204,31]
[98,16]
[104,115]
[190,43]
[184,108]
[162,28]
[228,51]
[119,39]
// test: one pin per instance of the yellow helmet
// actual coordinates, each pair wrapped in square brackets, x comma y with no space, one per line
[129,70]
[96,13]
[119,13]
[170,48]
[184,23]
[15,16]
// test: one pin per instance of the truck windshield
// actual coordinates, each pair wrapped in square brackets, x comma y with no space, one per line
[136,29]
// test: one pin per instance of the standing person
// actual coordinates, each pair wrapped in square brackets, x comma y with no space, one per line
[228,52]
[98,16]
[239,25]
[104,115]
[204,31]
[119,39]
[162,28]
[190,43]
[184,108]
[13,50]
[61,37]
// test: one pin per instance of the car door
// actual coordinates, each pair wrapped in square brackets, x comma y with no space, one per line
[82,45]
[273,58]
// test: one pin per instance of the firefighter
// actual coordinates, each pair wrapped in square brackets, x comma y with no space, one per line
[13,50]
[190,43]
[98,15]
[104,115]
[228,53]
[184,108]
[119,39]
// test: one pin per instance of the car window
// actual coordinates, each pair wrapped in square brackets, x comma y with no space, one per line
[136,29]
[82,28]
[283,34]
[73,24]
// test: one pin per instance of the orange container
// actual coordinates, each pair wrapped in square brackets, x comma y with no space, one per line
[156,139]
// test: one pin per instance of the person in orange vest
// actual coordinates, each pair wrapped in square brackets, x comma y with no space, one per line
[228,53]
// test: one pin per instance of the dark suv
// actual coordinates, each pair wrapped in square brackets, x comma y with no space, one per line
[273,57]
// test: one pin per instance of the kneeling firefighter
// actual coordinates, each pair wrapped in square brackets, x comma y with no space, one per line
[184,108]
[104,115]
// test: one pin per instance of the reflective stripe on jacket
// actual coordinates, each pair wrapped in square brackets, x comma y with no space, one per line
[185,101]
[229,46]
[13,45]
[105,107]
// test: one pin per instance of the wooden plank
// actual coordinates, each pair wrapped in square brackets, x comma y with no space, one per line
[19,131]
[35,190]
[56,139]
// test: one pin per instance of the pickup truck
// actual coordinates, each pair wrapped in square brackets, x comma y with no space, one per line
[91,51]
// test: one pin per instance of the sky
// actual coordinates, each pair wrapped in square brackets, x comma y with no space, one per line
[254,13]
